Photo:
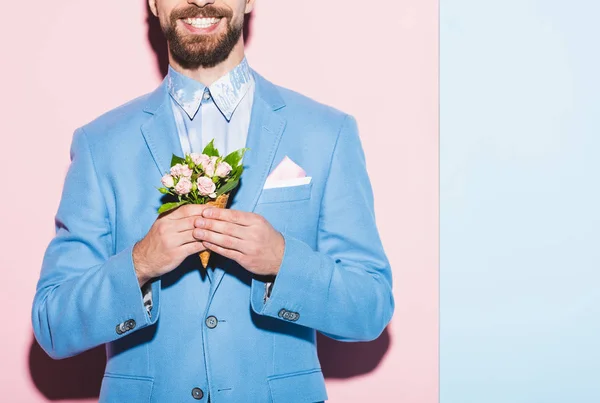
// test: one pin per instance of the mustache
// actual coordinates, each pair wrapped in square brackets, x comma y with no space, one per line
[208,11]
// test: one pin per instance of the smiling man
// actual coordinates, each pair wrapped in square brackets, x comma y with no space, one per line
[296,252]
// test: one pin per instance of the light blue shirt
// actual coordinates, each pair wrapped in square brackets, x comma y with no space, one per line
[220,111]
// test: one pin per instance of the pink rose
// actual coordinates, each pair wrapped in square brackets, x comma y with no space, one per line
[205,185]
[209,166]
[168,181]
[181,170]
[186,171]
[197,158]
[223,169]
[176,170]
[202,160]
[184,186]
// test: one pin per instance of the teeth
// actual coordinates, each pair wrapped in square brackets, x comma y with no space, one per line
[201,22]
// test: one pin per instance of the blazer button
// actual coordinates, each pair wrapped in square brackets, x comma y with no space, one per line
[211,322]
[131,324]
[197,393]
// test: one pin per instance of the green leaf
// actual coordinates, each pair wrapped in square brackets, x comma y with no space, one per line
[177,160]
[170,206]
[237,172]
[228,187]
[235,157]
[210,149]
[234,173]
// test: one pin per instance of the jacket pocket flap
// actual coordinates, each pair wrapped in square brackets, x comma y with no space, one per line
[286,193]
[298,387]
[116,388]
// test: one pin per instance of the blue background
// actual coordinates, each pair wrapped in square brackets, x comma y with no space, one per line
[520,200]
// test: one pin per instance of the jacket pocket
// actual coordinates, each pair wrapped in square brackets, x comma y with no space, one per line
[298,387]
[125,388]
[285,194]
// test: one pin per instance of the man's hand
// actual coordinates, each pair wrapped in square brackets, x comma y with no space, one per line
[168,242]
[247,238]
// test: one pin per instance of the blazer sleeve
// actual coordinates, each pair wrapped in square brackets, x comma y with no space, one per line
[86,294]
[344,288]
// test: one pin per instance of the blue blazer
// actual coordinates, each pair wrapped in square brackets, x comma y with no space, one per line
[210,332]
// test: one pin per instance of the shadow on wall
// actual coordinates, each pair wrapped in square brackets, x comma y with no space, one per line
[341,360]
[80,377]
[73,378]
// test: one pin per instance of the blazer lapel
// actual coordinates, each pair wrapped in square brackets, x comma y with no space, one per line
[160,131]
[264,134]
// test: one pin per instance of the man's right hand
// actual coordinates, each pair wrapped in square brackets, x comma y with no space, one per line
[168,242]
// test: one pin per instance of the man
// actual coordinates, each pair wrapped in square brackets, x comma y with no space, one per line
[286,260]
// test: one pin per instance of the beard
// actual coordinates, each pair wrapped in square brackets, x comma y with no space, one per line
[195,51]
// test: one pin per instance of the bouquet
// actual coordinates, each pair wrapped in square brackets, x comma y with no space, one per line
[205,178]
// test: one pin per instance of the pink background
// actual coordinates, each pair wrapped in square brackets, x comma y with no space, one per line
[66,62]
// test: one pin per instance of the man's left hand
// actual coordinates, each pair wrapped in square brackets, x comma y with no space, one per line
[247,238]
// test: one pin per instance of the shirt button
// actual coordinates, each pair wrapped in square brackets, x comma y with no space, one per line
[206,95]
[211,322]
[197,393]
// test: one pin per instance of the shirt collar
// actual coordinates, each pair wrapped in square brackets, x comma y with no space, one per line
[226,92]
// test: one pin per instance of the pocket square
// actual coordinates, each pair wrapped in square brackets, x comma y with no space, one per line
[287,173]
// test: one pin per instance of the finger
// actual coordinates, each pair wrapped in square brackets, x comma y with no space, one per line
[181,238]
[222,227]
[234,216]
[224,241]
[229,253]
[187,210]
[193,247]
[176,213]
[186,223]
